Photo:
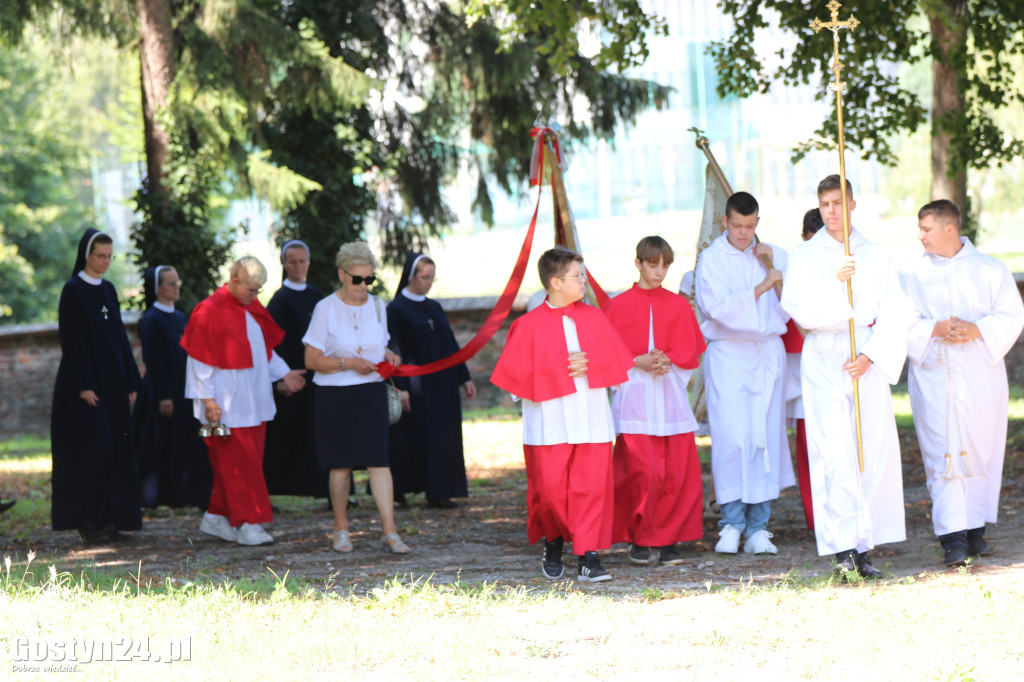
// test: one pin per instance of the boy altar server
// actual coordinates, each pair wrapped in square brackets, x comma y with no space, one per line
[744,371]
[968,315]
[560,359]
[853,511]
[658,488]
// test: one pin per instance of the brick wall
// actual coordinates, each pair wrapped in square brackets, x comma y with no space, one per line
[29,355]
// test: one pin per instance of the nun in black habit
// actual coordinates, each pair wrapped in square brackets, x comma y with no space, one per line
[95,487]
[289,457]
[426,444]
[174,466]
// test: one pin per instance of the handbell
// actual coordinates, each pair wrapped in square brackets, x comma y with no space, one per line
[214,429]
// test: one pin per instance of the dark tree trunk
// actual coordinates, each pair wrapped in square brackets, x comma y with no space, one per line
[949,38]
[156,53]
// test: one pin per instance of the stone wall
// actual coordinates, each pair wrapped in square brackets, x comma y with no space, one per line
[29,355]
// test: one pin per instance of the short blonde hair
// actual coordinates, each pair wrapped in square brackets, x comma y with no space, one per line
[252,267]
[355,253]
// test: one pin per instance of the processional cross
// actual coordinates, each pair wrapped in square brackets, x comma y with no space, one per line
[838,86]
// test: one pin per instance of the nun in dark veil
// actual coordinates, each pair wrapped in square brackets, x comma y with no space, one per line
[95,487]
[426,443]
[289,460]
[174,466]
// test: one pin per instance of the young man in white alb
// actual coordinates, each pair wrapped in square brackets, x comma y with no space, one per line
[968,315]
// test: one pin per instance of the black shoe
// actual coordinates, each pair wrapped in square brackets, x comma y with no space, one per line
[552,566]
[976,544]
[590,569]
[98,535]
[443,504]
[641,556]
[864,567]
[954,548]
[845,563]
[4,506]
[955,555]
[669,555]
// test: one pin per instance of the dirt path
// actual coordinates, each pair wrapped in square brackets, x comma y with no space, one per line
[485,540]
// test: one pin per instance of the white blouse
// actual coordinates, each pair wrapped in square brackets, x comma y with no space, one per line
[340,330]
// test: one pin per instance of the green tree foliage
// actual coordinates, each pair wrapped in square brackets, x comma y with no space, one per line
[46,124]
[969,42]
[305,102]
[624,22]
[459,96]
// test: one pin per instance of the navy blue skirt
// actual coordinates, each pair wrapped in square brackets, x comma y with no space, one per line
[351,426]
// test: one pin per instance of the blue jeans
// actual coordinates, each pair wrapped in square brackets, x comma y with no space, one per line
[747,518]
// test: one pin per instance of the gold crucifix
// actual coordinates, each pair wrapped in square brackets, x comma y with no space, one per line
[835,26]
[837,86]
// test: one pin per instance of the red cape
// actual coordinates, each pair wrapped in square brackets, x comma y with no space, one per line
[793,340]
[676,332]
[534,363]
[215,334]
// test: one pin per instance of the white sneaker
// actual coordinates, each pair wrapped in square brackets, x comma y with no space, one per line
[253,534]
[218,526]
[730,540]
[759,543]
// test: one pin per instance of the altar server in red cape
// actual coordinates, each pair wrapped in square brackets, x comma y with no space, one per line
[659,494]
[559,359]
[230,372]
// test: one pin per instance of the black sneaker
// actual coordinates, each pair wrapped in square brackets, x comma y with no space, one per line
[669,555]
[590,569]
[552,566]
[864,567]
[641,556]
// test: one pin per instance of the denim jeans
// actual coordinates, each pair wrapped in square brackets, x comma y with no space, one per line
[746,518]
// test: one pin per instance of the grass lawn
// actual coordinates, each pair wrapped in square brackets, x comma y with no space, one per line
[928,626]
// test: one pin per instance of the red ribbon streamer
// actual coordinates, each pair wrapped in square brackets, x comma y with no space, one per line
[491,324]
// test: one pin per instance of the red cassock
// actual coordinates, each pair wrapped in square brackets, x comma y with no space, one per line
[570,489]
[793,340]
[216,335]
[658,486]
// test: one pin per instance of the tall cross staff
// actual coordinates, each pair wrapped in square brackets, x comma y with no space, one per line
[837,86]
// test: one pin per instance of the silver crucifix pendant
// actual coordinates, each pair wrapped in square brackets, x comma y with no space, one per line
[431,323]
[104,311]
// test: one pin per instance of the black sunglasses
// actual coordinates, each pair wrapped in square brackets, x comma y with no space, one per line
[359,279]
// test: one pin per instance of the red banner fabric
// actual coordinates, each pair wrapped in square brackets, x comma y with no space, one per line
[491,324]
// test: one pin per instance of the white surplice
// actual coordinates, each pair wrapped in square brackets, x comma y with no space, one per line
[581,417]
[654,405]
[852,510]
[744,368]
[959,391]
[245,396]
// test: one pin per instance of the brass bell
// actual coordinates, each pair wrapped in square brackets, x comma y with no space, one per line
[205,431]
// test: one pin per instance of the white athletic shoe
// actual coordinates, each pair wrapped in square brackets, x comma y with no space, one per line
[759,543]
[730,540]
[218,526]
[253,534]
